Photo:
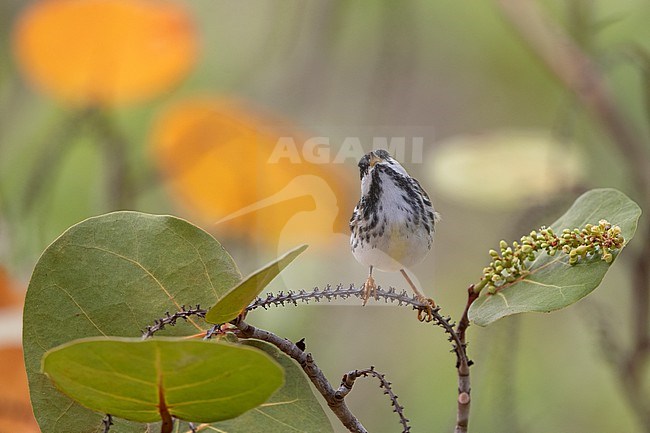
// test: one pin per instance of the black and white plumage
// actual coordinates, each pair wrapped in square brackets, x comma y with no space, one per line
[392,225]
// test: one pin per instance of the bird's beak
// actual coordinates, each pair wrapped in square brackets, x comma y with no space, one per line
[374,159]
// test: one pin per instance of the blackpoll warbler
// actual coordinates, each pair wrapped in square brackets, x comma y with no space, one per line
[393,223]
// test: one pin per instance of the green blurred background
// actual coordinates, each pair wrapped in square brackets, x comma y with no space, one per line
[454,76]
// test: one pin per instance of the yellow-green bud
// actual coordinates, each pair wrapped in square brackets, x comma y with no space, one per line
[582,250]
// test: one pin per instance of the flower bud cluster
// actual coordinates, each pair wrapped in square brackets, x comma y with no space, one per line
[511,263]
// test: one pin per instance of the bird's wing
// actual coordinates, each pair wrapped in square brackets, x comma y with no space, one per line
[355,215]
[425,197]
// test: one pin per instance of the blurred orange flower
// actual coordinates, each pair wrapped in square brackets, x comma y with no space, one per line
[9,296]
[105,52]
[246,171]
[15,407]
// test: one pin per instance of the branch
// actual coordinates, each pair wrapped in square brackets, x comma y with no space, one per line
[456,336]
[578,73]
[306,361]
[461,329]
[348,382]
[464,388]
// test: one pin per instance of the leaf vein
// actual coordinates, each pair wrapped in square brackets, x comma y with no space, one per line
[278,421]
[146,271]
[80,308]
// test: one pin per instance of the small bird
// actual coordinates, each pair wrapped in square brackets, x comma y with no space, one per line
[392,225]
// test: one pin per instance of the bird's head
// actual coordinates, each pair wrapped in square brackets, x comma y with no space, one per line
[378,158]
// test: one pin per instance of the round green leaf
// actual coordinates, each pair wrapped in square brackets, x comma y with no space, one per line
[113,275]
[240,296]
[553,283]
[146,380]
[293,408]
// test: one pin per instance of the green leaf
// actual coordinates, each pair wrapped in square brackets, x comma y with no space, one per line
[113,275]
[140,380]
[553,283]
[293,408]
[240,296]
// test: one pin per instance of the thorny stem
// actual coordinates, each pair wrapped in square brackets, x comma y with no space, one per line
[458,342]
[306,361]
[390,295]
[335,399]
[341,292]
[171,319]
[348,382]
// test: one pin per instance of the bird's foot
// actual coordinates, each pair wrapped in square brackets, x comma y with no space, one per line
[369,289]
[425,312]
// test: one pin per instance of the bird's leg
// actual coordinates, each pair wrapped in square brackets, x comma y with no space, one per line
[369,288]
[424,313]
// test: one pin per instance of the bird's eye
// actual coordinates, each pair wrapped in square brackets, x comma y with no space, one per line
[364,161]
